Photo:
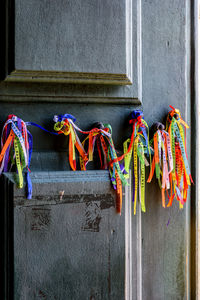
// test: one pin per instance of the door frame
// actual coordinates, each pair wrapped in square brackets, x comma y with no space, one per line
[195,155]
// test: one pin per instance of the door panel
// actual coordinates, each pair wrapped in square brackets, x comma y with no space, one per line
[68,242]
[90,41]
[94,43]
[69,42]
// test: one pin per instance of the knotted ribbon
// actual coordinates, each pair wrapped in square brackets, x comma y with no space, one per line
[162,162]
[137,146]
[16,149]
[64,124]
[180,177]
[116,169]
[101,137]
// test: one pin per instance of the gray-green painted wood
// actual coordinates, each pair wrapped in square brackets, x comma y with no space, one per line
[166,80]
[71,36]
[68,245]
[128,48]
[160,253]
[70,93]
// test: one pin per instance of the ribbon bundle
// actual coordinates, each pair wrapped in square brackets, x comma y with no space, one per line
[116,169]
[102,136]
[162,162]
[170,159]
[180,176]
[98,136]
[65,124]
[138,146]
[16,149]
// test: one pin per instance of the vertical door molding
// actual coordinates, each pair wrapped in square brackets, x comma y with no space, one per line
[195,153]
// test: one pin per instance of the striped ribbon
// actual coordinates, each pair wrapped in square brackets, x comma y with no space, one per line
[137,146]
[15,148]
[180,178]
[162,162]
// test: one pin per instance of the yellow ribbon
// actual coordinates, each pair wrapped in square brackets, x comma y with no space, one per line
[135,172]
[127,157]
[18,163]
[142,181]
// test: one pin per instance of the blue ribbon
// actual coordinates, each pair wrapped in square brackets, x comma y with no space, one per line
[36,125]
[8,150]
[65,116]
[136,113]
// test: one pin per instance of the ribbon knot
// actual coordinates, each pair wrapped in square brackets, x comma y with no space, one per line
[16,143]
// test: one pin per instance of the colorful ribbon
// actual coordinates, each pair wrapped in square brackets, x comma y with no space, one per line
[65,125]
[170,161]
[16,149]
[138,146]
[36,125]
[180,177]
[162,162]
[116,170]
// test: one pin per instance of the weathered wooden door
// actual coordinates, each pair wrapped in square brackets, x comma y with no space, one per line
[97,60]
